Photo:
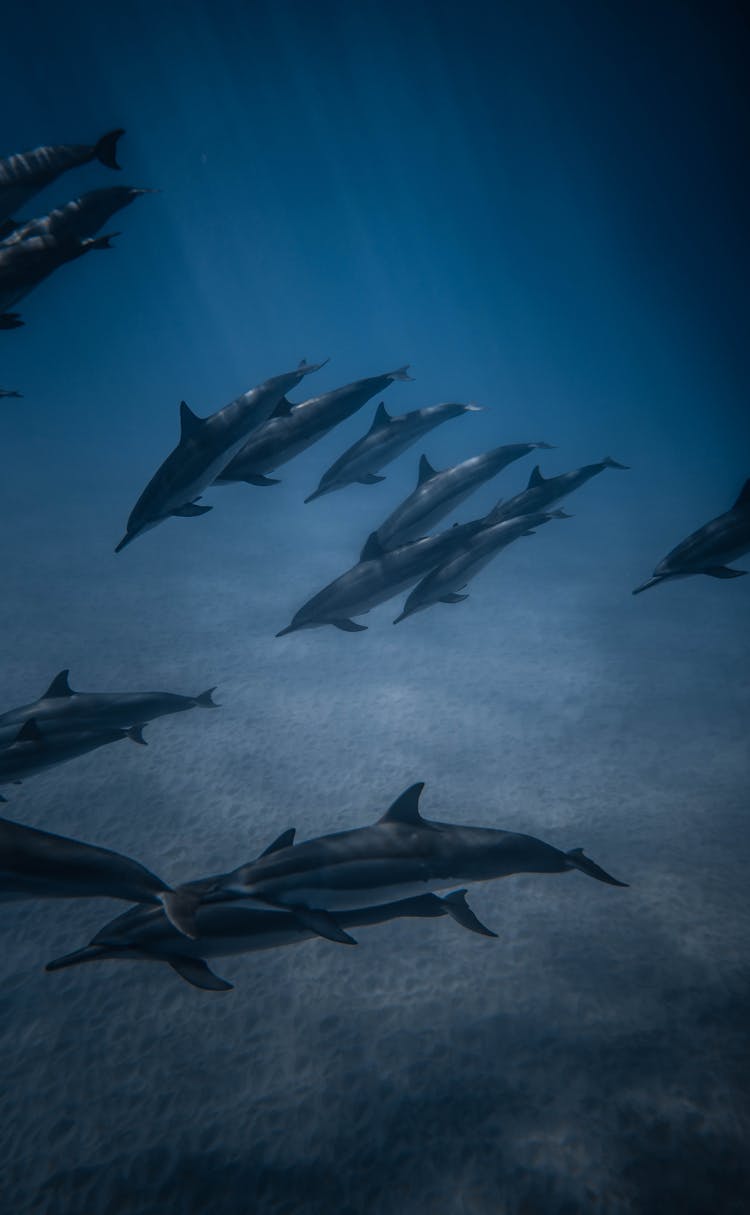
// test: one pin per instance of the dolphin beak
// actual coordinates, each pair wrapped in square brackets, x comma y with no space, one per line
[645,585]
[403,616]
[475,408]
[290,628]
[74,959]
[318,494]
[126,540]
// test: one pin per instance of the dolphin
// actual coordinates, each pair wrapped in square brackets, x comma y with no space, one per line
[206,445]
[710,548]
[112,709]
[439,493]
[294,428]
[26,264]
[377,577]
[223,929]
[33,748]
[541,491]
[442,585]
[385,440]
[39,865]
[25,174]
[10,392]
[400,856]
[81,218]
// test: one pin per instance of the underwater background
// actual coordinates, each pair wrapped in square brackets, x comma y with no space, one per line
[541,208]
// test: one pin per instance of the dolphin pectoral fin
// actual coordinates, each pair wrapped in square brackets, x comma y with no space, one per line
[369,479]
[453,598]
[189,510]
[322,923]
[579,861]
[260,480]
[349,626]
[180,907]
[724,571]
[456,906]
[196,972]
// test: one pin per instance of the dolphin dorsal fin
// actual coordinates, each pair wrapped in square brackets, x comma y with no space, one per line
[59,686]
[29,732]
[405,809]
[190,423]
[382,417]
[426,471]
[536,479]
[283,409]
[743,502]
[372,548]
[285,840]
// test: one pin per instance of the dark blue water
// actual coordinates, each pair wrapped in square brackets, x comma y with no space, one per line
[542,209]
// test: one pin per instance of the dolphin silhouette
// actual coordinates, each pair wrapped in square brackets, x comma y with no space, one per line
[25,174]
[709,549]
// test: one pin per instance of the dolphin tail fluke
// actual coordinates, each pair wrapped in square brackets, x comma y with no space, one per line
[646,585]
[11,320]
[608,462]
[197,972]
[89,954]
[305,368]
[456,906]
[579,861]
[135,734]
[100,242]
[105,149]
[180,907]
[401,373]
[206,699]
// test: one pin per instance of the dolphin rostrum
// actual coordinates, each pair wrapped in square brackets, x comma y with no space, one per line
[388,436]
[294,428]
[439,493]
[32,748]
[206,445]
[377,577]
[401,855]
[26,264]
[39,865]
[541,491]
[710,549]
[111,709]
[81,218]
[25,174]
[10,392]
[223,929]
[442,585]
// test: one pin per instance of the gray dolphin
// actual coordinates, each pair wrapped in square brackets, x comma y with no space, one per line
[206,445]
[294,428]
[439,493]
[388,436]
[223,929]
[442,585]
[541,491]
[25,174]
[26,264]
[81,218]
[401,855]
[114,709]
[39,865]
[10,392]
[34,748]
[710,548]
[377,577]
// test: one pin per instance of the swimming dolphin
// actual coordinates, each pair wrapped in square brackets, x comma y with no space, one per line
[39,865]
[81,218]
[442,585]
[114,709]
[206,445]
[385,440]
[25,174]
[439,493]
[26,264]
[33,748]
[541,491]
[710,548]
[10,392]
[401,855]
[294,428]
[377,577]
